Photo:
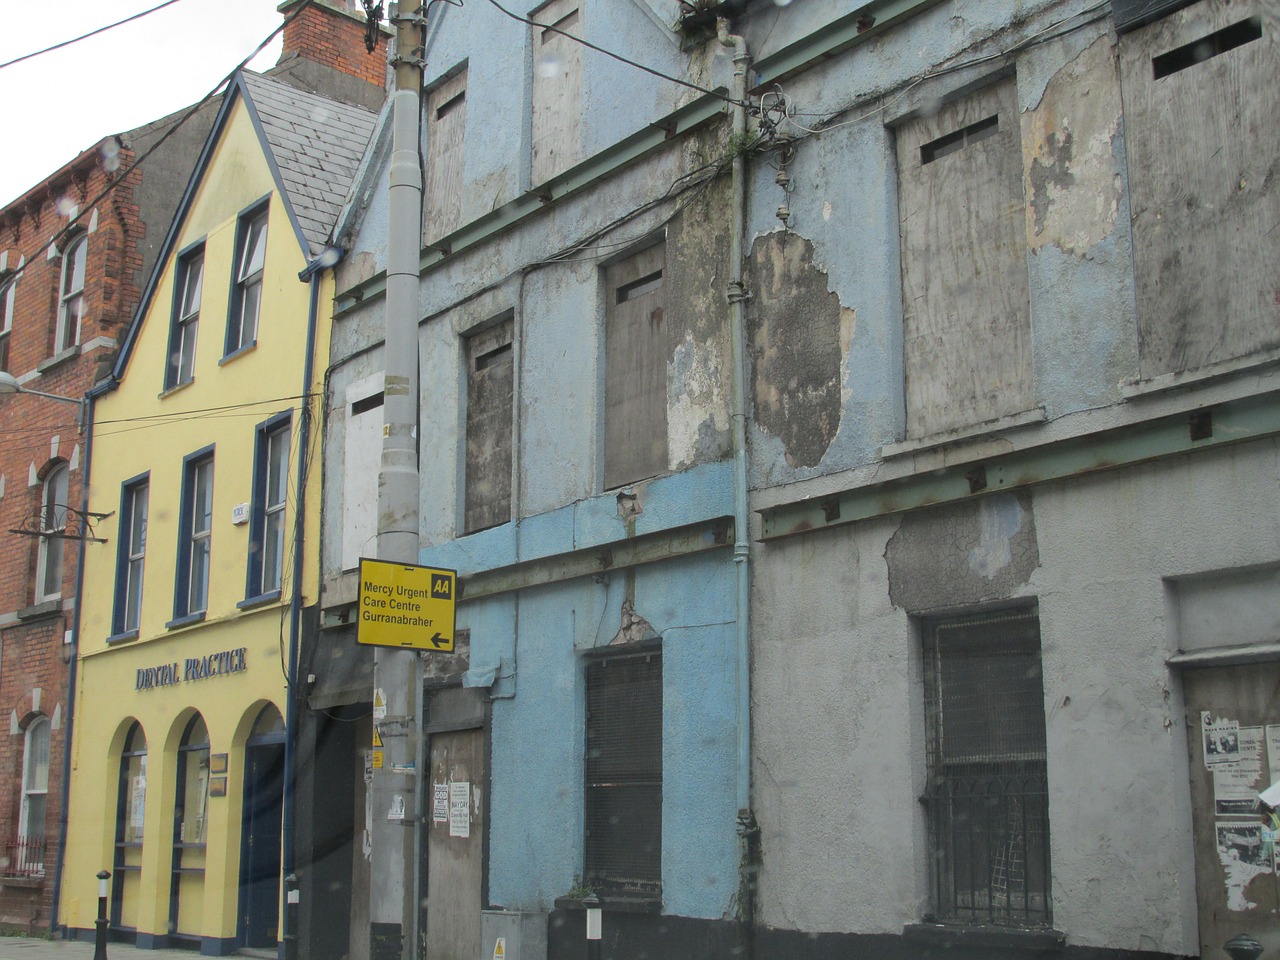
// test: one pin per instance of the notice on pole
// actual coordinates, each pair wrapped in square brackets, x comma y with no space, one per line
[460,809]
[406,605]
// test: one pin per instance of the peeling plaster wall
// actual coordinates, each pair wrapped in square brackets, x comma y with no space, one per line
[844,842]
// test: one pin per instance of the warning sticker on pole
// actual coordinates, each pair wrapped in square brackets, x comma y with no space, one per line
[500,949]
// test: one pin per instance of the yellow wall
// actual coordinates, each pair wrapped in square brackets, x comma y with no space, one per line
[139,427]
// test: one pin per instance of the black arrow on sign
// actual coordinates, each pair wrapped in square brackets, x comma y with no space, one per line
[438,641]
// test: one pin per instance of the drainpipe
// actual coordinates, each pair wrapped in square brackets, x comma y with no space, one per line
[313,274]
[397,674]
[86,413]
[737,295]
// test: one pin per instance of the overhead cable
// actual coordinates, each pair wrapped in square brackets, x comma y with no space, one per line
[86,36]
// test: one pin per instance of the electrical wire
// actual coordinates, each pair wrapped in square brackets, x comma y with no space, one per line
[138,161]
[86,36]
[1094,14]
[621,59]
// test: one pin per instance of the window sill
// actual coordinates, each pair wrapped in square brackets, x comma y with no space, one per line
[615,903]
[261,600]
[184,621]
[27,883]
[170,391]
[960,935]
[1134,389]
[41,610]
[228,357]
[988,427]
[123,637]
[58,359]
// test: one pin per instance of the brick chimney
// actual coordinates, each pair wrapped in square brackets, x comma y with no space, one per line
[331,33]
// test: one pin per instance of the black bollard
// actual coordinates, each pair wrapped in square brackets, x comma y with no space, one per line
[100,933]
[594,924]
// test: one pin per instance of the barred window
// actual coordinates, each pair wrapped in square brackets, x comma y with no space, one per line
[624,773]
[987,786]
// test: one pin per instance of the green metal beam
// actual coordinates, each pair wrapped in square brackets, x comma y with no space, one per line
[603,164]
[615,555]
[1251,418]
[861,25]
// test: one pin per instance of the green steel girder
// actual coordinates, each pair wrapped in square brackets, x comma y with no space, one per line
[834,39]
[591,561]
[1252,418]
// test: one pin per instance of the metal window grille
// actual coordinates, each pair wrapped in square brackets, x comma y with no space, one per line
[624,773]
[987,789]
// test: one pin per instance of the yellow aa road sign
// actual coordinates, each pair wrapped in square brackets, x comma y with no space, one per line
[405,605]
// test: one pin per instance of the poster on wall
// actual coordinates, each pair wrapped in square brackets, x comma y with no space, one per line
[1236,785]
[1221,740]
[439,803]
[1244,856]
[460,809]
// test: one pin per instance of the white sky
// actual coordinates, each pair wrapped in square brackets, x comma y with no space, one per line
[58,104]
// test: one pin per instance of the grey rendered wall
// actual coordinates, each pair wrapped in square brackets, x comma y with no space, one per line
[844,842]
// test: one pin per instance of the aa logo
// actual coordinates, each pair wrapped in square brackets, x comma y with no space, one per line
[441,586]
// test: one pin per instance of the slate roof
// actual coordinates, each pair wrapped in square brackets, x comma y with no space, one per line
[317,144]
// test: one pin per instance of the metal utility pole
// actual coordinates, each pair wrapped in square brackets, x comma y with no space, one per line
[397,674]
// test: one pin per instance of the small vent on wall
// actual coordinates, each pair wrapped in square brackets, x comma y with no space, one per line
[1206,48]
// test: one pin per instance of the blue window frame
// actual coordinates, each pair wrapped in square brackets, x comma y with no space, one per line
[195,539]
[131,552]
[246,279]
[185,319]
[267,518]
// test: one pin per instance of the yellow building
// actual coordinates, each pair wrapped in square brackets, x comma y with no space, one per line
[192,612]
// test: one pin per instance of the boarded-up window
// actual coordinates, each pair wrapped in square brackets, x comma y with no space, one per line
[446,122]
[490,387]
[1199,102]
[623,767]
[361,460]
[987,790]
[965,306]
[635,428]
[557,88]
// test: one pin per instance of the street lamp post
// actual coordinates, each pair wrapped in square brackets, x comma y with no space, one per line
[9,384]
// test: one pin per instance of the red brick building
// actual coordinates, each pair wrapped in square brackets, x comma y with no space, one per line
[75,253]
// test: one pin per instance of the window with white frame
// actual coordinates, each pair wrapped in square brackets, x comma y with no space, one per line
[35,793]
[267,521]
[986,792]
[8,290]
[246,295]
[131,555]
[195,537]
[53,523]
[71,299]
[186,318]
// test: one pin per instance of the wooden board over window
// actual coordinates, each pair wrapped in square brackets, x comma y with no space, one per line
[557,89]
[446,123]
[635,429]
[490,387]
[1200,130]
[964,274]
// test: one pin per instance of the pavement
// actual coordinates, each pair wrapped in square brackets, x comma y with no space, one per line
[29,948]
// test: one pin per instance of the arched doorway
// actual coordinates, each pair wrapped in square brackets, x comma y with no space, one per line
[190,832]
[261,831]
[131,799]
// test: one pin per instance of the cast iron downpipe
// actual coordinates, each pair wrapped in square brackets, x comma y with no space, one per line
[737,294]
[72,665]
[313,274]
